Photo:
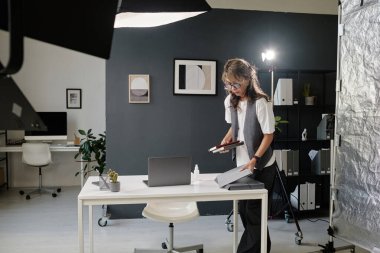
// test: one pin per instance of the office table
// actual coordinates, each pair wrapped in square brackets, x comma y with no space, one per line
[134,191]
[53,148]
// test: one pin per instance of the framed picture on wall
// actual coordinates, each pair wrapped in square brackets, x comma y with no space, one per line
[73,98]
[194,77]
[139,89]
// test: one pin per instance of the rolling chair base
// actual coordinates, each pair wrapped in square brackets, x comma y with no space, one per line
[41,191]
[169,248]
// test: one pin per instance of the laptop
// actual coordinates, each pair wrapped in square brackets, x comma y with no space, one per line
[167,171]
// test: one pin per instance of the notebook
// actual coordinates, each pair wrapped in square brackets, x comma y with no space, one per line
[167,171]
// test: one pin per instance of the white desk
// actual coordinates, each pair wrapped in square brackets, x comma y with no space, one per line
[134,191]
[53,148]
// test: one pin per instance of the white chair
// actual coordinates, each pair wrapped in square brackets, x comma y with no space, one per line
[37,155]
[172,212]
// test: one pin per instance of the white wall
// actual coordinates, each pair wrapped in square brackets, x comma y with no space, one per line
[47,72]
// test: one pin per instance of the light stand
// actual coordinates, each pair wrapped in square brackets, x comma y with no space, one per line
[268,56]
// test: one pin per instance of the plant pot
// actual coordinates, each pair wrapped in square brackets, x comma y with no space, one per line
[114,187]
[103,182]
[310,100]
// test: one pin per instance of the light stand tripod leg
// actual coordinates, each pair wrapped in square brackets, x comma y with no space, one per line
[299,235]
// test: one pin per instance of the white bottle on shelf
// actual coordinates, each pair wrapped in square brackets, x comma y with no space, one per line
[196,172]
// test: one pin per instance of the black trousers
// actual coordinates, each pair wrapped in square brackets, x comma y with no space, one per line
[250,214]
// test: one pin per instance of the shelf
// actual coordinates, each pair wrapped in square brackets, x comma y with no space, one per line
[301,116]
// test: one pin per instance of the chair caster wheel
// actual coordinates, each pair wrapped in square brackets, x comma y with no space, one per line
[21,192]
[59,190]
[230,227]
[54,195]
[163,245]
[27,197]
[102,222]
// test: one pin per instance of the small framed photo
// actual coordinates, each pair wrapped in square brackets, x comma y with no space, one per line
[73,98]
[139,89]
[194,77]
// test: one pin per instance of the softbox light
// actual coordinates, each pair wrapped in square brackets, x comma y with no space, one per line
[82,25]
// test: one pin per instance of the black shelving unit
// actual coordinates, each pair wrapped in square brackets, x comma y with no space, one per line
[301,116]
[3,160]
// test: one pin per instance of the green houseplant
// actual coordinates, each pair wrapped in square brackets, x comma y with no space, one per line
[277,121]
[92,149]
[114,184]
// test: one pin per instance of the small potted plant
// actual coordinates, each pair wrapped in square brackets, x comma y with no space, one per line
[114,184]
[309,99]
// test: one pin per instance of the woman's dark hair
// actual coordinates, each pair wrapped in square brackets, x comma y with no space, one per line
[241,69]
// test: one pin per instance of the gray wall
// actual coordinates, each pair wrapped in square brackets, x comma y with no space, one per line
[189,125]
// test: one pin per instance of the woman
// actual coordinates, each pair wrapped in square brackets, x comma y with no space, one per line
[251,117]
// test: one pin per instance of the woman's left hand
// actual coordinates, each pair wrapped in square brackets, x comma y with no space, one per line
[250,166]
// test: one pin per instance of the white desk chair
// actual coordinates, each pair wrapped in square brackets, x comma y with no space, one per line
[172,212]
[37,155]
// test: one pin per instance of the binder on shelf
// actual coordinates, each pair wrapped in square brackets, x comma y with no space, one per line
[326,159]
[317,164]
[277,154]
[325,129]
[225,147]
[310,196]
[318,195]
[284,161]
[283,95]
[295,162]
[289,162]
[298,198]
[320,164]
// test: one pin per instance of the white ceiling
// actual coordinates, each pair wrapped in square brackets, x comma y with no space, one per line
[298,6]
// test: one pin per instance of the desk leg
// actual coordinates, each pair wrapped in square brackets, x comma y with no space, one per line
[81,175]
[80,226]
[90,229]
[264,222]
[235,233]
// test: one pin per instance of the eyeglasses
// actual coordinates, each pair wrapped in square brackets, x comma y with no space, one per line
[230,86]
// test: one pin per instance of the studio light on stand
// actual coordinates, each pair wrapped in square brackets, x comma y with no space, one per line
[151,13]
[268,57]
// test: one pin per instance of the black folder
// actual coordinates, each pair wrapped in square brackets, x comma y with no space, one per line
[245,183]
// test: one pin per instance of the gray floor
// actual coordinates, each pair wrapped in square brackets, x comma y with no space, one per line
[45,224]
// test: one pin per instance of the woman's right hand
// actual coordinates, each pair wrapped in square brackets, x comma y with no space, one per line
[226,140]
[228,137]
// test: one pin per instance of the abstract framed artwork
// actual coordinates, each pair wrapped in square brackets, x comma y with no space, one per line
[139,89]
[73,98]
[194,77]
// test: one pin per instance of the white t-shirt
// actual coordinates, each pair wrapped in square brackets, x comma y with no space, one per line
[265,117]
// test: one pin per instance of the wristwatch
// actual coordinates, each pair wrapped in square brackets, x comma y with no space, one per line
[257,158]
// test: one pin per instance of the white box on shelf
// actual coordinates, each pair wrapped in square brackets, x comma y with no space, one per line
[283,94]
